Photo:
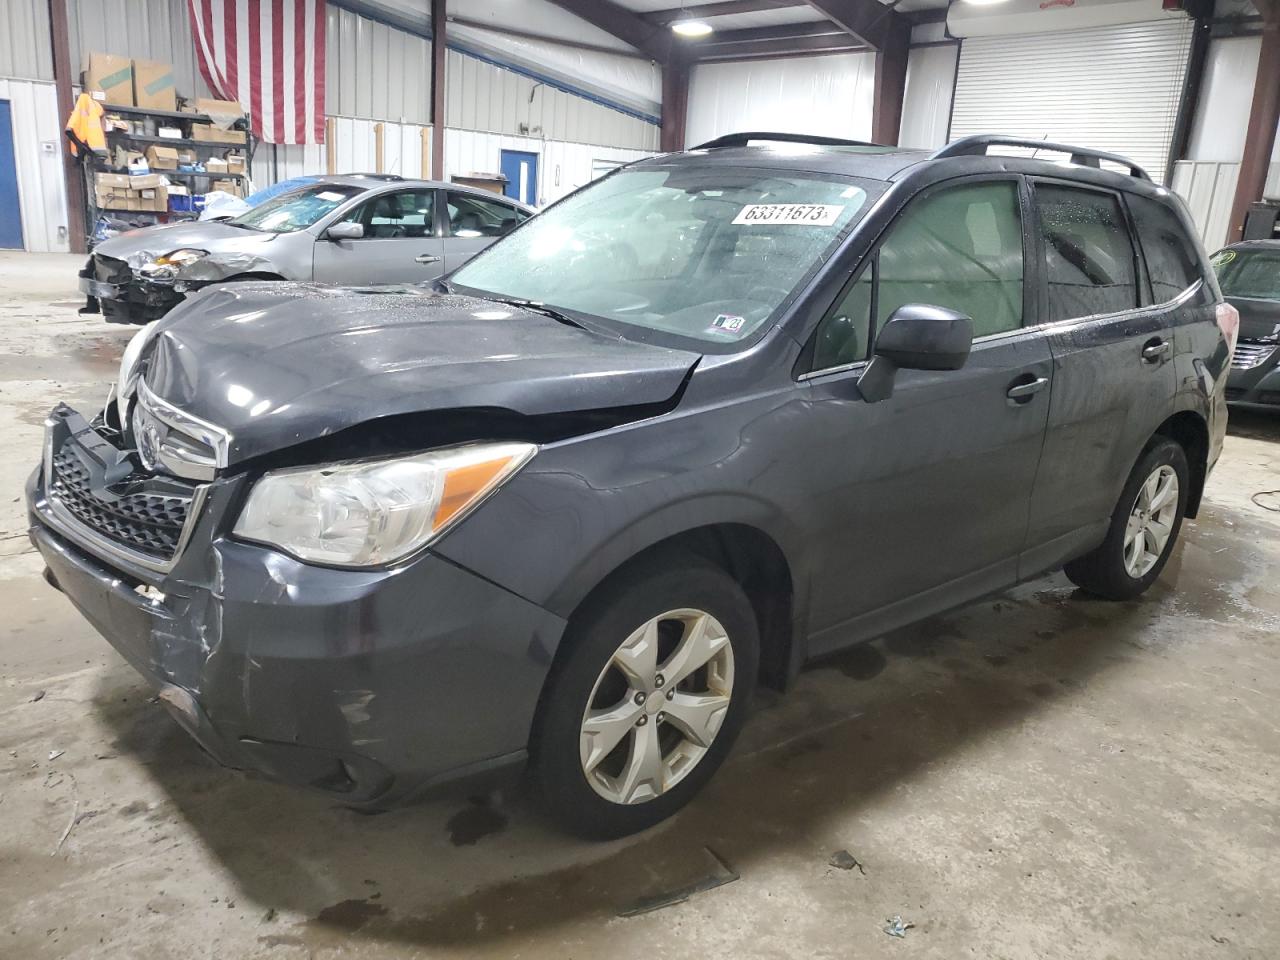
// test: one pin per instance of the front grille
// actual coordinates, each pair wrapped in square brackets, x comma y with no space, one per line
[149,523]
[1251,353]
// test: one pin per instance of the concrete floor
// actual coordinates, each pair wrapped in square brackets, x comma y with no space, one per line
[1041,775]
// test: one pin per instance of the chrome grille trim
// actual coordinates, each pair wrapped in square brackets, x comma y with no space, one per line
[1250,354]
[182,456]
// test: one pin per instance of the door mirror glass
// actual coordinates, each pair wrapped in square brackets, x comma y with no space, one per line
[345,231]
[916,336]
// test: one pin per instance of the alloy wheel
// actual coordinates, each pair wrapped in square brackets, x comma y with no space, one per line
[657,706]
[1151,521]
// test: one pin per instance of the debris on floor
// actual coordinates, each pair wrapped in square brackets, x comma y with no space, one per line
[895,926]
[720,875]
[844,860]
[55,754]
[37,698]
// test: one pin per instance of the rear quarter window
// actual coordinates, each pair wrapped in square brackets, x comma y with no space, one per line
[1173,258]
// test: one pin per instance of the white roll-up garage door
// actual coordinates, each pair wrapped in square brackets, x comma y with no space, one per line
[1112,88]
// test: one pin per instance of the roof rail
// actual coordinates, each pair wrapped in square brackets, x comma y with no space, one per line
[976,146]
[742,139]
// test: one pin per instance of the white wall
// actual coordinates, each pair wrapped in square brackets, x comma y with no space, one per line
[562,167]
[926,104]
[41,189]
[1207,178]
[829,95]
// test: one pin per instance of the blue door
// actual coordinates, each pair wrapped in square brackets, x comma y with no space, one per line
[10,216]
[521,171]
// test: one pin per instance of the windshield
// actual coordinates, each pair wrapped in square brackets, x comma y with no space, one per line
[1253,274]
[297,209]
[707,254]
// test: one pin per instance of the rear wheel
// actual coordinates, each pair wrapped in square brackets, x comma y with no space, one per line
[1143,528]
[649,699]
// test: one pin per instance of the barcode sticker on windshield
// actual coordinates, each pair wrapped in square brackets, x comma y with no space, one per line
[800,214]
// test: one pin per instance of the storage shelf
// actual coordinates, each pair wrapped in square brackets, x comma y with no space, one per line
[177,141]
[147,112]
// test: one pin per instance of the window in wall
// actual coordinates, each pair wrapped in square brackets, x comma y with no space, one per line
[1170,252]
[472,216]
[959,248]
[1088,252]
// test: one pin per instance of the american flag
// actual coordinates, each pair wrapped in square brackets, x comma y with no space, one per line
[268,55]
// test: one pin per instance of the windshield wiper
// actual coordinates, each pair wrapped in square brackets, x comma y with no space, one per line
[539,307]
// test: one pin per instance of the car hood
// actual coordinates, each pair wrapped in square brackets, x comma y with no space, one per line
[1259,319]
[136,247]
[277,364]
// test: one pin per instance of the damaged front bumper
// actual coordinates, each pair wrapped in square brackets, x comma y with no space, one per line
[372,685]
[123,295]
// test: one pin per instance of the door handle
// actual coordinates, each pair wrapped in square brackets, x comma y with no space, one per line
[1154,350]
[426,258]
[1026,389]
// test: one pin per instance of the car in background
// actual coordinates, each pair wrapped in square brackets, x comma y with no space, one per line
[356,230]
[1249,274]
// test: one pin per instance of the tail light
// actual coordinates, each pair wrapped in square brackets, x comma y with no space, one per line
[1228,318]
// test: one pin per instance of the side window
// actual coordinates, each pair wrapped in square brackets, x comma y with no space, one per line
[959,248]
[1088,252]
[845,333]
[390,216]
[1170,253]
[472,216]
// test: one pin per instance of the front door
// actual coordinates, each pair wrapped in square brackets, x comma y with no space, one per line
[399,245]
[521,170]
[10,214]
[1114,377]
[921,500]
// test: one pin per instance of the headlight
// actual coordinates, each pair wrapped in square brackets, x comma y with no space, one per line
[127,382]
[169,264]
[369,512]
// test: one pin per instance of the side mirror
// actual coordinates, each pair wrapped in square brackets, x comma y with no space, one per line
[917,336]
[345,231]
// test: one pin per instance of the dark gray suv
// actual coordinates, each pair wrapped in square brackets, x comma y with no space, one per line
[714,416]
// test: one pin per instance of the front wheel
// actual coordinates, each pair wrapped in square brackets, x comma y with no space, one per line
[1143,528]
[648,700]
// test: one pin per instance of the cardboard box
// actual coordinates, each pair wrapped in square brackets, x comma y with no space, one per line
[215,165]
[156,199]
[111,181]
[162,158]
[178,190]
[146,180]
[206,133]
[217,109]
[228,186]
[186,155]
[109,79]
[235,163]
[169,133]
[153,85]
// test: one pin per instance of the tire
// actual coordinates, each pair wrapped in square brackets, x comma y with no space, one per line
[1114,571]
[602,792]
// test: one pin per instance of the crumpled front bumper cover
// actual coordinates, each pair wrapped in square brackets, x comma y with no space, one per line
[137,299]
[373,686]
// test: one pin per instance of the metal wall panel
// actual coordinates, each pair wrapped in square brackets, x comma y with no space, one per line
[146,29]
[486,98]
[562,167]
[375,71]
[37,136]
[1209,188]
[25,47]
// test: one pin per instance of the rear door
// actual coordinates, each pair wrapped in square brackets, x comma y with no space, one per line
[921,500]
[399,243]
[473,222]
[1113,351]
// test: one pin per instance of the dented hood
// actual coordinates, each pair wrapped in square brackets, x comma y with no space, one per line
[278,364]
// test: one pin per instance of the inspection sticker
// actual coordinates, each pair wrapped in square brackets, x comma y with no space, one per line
[727,323]
[799,214]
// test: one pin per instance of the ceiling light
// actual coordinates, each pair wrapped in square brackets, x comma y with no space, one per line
[691,28]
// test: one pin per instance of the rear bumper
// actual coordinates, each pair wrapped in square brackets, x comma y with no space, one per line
[373,686]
